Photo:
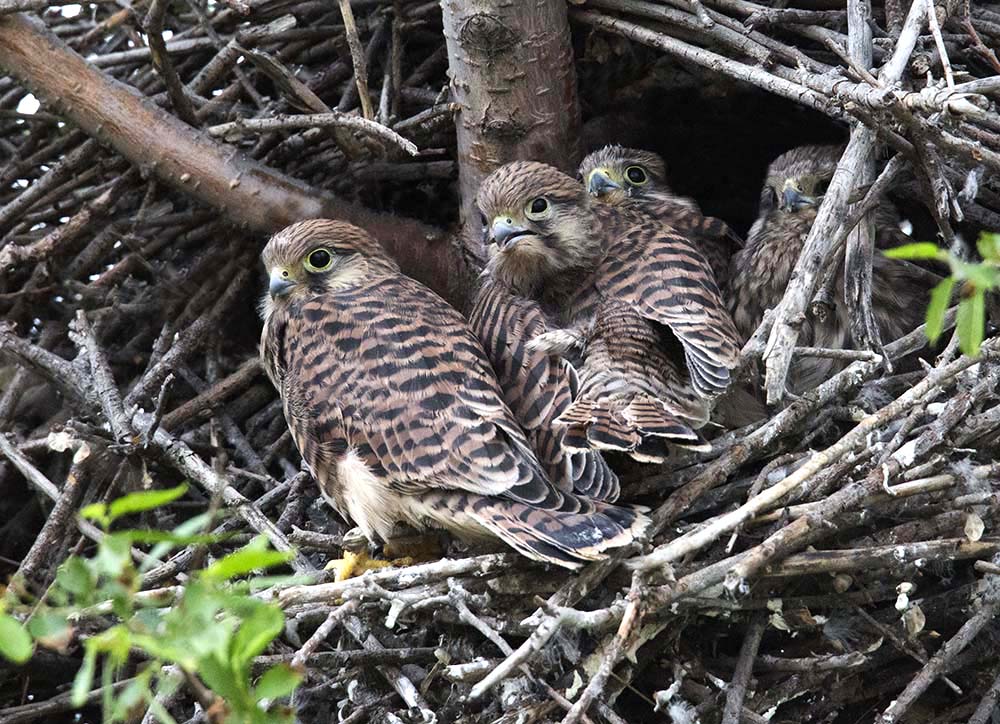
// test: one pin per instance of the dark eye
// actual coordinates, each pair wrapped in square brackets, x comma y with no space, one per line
[636,175]
[768,199]
[319,260]
[821,186]
[538,209]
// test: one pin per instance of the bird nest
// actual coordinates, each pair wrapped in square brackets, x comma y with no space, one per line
[831,563]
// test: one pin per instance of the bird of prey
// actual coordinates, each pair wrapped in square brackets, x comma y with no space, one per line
[537,386]
[633,298]
[793,190]
[633,178]
[396,411]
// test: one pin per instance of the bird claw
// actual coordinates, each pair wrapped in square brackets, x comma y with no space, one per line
[557,342]
[399,553]
[355,564]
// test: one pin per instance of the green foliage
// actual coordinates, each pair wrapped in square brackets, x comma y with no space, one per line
[15,641]
[973,281]
[211,631]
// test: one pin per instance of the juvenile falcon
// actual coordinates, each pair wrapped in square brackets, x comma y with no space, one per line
[394,407]
[793,190]
[537,386]
[633,178]
[635,299]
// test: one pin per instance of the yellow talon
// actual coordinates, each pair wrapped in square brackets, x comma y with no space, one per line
[401,551]
[355,564]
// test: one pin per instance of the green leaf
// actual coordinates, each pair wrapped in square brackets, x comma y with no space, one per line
[254,556]
[144,500]
[98,512]
[917,250]
[989,246]
[162,536]
[971,322]
[161,712]
[50,629]
[113,555]
[15,643]
[84,680]
[129,699]
[221,679]
[257,631]
[984,276]
[278,681]
[75,576]
[940,299]
[187,528]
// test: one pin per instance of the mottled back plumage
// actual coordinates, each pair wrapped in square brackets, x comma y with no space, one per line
[539,387]
[637,300]
[396,410]
[792,192]
[634,178]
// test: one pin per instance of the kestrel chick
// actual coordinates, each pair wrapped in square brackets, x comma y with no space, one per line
[637,301]
[633,178]
[537,386]
[394,407]
[794,188]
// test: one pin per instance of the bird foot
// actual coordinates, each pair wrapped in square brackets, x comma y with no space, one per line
[557,342]
[358,563]
[401,551]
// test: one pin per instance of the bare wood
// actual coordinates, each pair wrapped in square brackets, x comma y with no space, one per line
[737,689]
[512,73]
[249,193]
[358,58]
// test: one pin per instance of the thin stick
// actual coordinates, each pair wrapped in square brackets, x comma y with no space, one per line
[358,58]
[737,689]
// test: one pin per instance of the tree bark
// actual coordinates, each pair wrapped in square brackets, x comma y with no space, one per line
[249,193]
[512,71]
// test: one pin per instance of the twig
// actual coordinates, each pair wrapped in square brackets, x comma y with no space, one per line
[630,622]
[939,662]
[358,58]
[737,689]
[153,25]
[307,649]
[316,120]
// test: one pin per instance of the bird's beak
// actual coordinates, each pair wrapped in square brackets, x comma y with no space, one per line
[505,232]
[600,182]
[281,282]
[793,200]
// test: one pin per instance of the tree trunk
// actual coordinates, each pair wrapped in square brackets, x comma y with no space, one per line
[512,71]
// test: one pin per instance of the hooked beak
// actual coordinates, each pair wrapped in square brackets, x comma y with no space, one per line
[505,232]
[281,283]
[600,182]
[793,200]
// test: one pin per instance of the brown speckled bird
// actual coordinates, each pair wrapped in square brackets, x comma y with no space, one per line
[537,386]
[394,407]
[636,300]
[634,178]
[794,188]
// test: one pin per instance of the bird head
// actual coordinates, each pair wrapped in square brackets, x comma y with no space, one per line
[318,256]
[616,175]
[797,180]
[538,218]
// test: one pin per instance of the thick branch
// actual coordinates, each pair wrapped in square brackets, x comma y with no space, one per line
[249,193]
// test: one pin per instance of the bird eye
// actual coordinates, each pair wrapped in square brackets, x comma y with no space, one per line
[636,175]
[538,209]
[319,260]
